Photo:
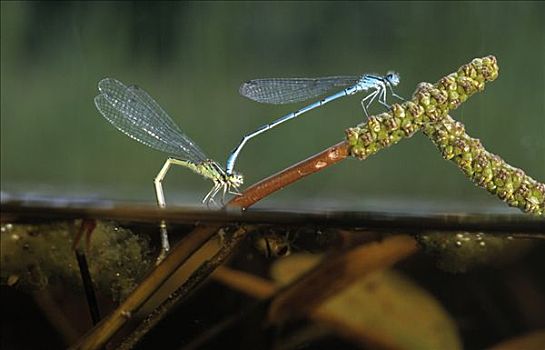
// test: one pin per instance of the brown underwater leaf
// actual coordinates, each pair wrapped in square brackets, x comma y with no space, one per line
[384,309]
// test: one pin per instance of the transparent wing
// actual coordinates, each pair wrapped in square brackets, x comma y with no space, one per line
[288,90]
[135,113]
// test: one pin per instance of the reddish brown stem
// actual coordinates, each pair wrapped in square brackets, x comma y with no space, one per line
[276,182]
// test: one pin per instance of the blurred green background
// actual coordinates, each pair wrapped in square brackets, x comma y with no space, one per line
[192,57]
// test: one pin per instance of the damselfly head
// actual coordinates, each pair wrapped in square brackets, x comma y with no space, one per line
[235,179]
[393,78]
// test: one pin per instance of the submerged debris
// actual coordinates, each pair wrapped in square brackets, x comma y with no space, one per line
[33,256]
[461,251]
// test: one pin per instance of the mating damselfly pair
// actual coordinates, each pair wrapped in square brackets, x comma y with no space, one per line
[136,114]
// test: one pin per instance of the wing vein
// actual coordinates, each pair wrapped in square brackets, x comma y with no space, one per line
[135,113]
[289,90]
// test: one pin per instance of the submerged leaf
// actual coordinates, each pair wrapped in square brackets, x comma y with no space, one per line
[383,309]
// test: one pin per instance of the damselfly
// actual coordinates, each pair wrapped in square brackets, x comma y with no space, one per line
[289,90]
[135,113]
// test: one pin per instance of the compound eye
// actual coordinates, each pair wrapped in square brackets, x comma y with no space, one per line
[393,78]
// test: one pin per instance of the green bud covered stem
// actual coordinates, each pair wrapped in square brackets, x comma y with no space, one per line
[428,111]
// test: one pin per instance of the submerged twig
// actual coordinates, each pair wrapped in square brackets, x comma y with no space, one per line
[88,286]
[199,275]
[86,228]
[104,330]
